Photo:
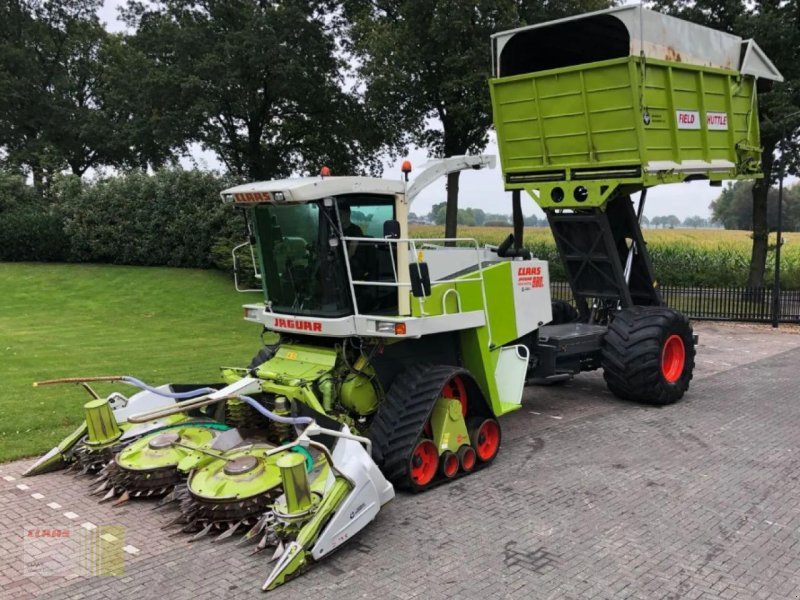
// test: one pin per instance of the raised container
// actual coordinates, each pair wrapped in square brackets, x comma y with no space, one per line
[623,99]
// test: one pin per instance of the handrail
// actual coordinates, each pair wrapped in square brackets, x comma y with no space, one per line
[256,274]
[444,300]
[412,242]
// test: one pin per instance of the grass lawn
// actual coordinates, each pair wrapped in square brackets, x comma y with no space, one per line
[63,320]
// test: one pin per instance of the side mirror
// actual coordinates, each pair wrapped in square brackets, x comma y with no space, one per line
[420,279]
[391,229]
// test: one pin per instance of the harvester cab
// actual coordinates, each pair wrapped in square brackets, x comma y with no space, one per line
[388,359]
[369,318]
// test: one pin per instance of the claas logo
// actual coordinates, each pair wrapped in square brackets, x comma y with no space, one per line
[524,271]
[252,197]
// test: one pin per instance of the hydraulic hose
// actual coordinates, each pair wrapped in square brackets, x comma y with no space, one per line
[177,395]
[271,415]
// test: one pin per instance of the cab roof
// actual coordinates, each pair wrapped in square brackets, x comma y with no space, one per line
[304,189]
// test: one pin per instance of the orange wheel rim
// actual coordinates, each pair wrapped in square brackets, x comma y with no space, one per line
[673,358]
[488,441]
[424,460]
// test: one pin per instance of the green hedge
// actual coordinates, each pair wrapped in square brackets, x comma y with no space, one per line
[31,229]
[172,218]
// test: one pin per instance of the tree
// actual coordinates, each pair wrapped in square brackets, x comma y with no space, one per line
[50,116]
[695,221]
[259,83]
[645,221]
[426,62]
[776,27]
[733,208]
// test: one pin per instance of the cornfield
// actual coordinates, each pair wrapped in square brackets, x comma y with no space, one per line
[692,257]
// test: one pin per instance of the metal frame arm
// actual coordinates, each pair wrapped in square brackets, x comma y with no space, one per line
[446,166]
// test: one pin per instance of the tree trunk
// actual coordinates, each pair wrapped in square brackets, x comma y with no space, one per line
[38,178]
[451,213]
[758,257]
[255,164]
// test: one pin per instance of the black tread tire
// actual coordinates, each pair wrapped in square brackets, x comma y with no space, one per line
[402,415]
[563,312]
[631,354]
[262,356]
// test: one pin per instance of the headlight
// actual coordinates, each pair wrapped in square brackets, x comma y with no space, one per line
[251,313]
[391,327]
[227,198]
[279,197]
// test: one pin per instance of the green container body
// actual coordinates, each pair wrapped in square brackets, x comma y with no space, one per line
[615,124]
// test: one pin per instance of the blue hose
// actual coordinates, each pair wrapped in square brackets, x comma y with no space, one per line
[277,418]
[199,392]
[177,395]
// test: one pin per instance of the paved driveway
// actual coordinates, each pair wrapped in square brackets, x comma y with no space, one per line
[590,498]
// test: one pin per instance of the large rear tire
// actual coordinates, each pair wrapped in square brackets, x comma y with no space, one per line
[648,355]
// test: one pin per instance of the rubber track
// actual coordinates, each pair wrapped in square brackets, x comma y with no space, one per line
[402,415]
[631,356]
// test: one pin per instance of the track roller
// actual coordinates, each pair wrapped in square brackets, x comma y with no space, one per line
[466,458]
[420,434]
[485,437]
[448,464]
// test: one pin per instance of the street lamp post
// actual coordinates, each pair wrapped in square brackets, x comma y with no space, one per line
[776,286]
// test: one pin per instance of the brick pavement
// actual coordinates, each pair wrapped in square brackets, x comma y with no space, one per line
[611,500]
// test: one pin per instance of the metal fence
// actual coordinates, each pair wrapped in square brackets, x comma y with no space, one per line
[753,305]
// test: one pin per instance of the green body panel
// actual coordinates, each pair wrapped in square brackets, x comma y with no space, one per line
[449,429]
[576,125]
[294,363]
[294,368]
[358,394]
[477,349]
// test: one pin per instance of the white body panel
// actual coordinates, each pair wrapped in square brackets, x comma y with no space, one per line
[531,284]
[443,262]
[141,402]
[512,368]
[370,491]
[365,325]
[663,37]
[305,189]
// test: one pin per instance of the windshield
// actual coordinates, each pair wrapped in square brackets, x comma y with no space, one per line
[303,273]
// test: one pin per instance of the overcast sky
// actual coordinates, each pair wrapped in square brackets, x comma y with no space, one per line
[484,189]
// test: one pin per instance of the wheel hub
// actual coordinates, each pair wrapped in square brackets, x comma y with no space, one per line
[673,358]
[240,465]
[164,440]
